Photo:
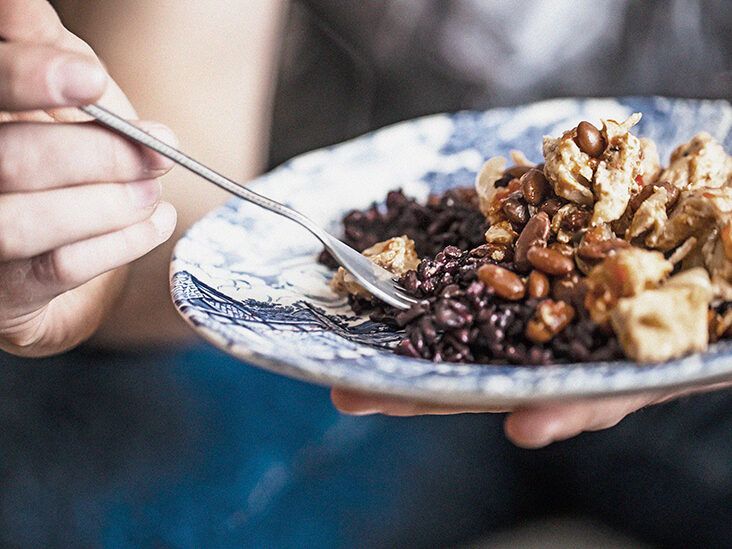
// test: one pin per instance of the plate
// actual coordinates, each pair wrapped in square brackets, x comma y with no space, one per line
[248,281]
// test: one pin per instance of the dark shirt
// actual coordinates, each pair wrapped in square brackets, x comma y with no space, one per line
[350,66]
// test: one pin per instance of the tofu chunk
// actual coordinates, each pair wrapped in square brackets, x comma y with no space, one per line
[651,216]
[396,255]
[667,322]
[650,167]
[702,162]
[568,169]
[615,176]
[605,183]
[485,187]
[626,273]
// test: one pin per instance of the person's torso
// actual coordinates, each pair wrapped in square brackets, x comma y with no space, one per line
[349,66]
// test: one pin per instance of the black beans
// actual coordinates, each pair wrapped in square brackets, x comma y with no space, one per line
[590,139]
[550,261]
[597,243]
[535,233]
[576,220]
[648,190]
[538,285]
[534,186]
[551,206]
[551,317]
[474,305]
[506,284]
[567,289]
[515,211]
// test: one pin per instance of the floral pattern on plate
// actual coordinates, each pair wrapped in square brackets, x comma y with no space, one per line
[248,281]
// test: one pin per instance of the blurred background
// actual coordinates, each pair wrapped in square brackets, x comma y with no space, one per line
[347,67]
[189,448]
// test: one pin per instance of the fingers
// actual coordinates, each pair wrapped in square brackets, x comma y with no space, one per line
[542,425]
[29,21]
[360,404]
[43,77]
[534,427]
[30,282]
[35,156]
[71,214]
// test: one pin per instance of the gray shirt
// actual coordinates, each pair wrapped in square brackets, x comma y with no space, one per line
[349,66]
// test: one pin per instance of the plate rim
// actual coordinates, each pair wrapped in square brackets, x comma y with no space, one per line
[444,396]
[450,397]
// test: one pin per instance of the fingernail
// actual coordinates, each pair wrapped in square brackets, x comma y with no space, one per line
[145,194]
[164,218]
[79,79]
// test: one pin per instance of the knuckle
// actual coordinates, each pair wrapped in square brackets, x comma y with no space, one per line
[8,246]
[14,80]
[53,268]
[11,242]
[119,208]
[11,167]
[75,43]
[46,27]
[43,268]
[30,75]
[138,239]
[133,238]
[47,32]
[109,153]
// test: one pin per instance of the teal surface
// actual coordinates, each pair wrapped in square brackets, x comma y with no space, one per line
[194,449]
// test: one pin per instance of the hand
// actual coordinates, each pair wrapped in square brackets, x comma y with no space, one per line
[528,427]
[77,203]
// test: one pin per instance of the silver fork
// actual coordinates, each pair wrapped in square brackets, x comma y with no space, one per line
[375,279]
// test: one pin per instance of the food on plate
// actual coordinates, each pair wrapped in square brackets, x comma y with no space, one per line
[597,253]
[397,255]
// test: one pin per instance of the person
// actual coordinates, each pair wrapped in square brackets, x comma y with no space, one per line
[234,456]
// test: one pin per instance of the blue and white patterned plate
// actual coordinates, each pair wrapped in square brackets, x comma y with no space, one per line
[248,281]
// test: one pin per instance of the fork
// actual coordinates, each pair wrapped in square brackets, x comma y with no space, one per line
[375,279]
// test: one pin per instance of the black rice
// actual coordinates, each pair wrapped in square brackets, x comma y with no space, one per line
[459,318]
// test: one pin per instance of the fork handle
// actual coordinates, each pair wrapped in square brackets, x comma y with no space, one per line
[122,126]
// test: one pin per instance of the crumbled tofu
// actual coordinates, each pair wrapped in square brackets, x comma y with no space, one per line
[696,213]
[684,250]
[702,162]
[519,158]
[396,255]
[650,216]
[650,166]
[705,215]
[485,185]
[619,222]
[568,169]
[501,233]
[667,322]
[606,182]
[615,176]
[715,260]
[626,273]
